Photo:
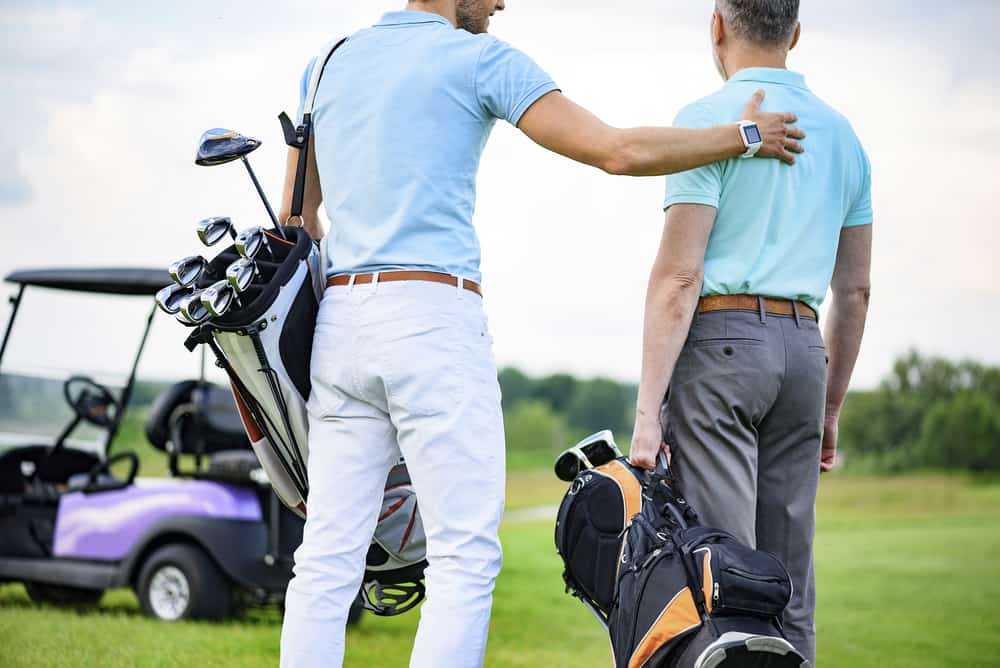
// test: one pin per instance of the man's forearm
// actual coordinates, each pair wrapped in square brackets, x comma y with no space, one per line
[844,330]
[656,151]
[670,304]
[560,125]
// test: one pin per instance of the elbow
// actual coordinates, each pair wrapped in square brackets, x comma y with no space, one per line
[678,285]
[620,158]
[858,296]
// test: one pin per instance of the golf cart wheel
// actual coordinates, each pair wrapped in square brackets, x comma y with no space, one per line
[61,595]
[181,582]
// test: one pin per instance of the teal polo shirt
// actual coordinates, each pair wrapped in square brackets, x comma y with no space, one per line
[401,118]
[778,226]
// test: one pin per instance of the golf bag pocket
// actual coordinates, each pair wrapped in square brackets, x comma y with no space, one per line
[592,519]
[741,581]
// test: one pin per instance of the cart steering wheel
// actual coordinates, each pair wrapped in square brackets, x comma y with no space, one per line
[91,401]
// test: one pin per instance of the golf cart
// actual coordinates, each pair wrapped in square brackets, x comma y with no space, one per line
[205,542]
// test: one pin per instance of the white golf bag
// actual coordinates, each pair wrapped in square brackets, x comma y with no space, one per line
[265,347]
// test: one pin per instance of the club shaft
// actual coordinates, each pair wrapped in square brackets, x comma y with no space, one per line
[263,197]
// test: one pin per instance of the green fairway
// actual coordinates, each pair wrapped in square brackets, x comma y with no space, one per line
[907,569]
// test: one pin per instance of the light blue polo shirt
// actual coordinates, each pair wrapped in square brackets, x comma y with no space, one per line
[401,118]
[778,226]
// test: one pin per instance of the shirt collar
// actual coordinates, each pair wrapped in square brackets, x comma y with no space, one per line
[404,18]
[770,75]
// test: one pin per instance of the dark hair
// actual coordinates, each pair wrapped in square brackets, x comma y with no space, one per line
[766,22]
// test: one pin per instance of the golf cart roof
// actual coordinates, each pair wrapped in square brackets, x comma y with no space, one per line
[141,282]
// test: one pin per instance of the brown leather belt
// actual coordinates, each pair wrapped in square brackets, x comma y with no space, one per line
[752,303]
[391,276]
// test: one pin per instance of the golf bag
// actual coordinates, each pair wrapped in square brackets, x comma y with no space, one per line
[265,347]
[672,593]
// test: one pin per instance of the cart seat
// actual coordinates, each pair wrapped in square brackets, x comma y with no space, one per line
[201,419]
[54,467]
[216,426]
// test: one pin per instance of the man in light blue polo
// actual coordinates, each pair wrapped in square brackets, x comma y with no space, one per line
[402,358]
[749,251]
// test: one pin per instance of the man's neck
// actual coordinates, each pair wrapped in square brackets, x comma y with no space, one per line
[445,8]
[748,56]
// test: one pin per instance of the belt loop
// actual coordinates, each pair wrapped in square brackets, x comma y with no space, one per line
[460,282]
[350,283]
[375,277]
[795,312]
[763,310]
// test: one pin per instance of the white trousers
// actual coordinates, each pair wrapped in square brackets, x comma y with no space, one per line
[400,368]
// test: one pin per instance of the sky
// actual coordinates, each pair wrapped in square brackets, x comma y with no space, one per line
[103,103]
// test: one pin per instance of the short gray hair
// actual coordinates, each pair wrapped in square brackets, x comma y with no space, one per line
[765,22]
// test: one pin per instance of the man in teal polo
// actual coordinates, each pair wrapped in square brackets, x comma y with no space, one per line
[749,251]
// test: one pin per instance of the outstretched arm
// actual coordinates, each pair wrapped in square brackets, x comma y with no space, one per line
[312,199]
[562,126]
[671,299]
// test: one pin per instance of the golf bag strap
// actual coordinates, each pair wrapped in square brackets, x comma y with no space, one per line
[300,137]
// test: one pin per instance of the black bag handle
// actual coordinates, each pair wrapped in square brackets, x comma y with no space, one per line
[300,136]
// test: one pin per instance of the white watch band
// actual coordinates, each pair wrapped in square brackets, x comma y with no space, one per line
[748,132]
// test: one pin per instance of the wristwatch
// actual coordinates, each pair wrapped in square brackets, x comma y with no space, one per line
[750,134]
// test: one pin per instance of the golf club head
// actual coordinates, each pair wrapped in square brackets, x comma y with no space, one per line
[251,241]
[241,274]
[187,271]
[219,146]
[213,230]
[594,451]
[193,310]
[169,298]
[218,298]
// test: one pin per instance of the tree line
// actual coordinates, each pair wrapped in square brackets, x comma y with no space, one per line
[928,413]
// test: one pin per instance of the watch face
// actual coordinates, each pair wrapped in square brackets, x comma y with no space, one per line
[753,134]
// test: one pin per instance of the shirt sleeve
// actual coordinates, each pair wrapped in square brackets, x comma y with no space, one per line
[508,82]
[304,90]
[861,213]
[697,186]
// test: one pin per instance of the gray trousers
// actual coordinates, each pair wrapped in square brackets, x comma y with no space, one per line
[744,421]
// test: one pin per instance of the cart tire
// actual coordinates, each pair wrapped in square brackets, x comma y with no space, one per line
[61,595]
[180,582]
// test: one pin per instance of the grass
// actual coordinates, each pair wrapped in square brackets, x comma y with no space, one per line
[907,571]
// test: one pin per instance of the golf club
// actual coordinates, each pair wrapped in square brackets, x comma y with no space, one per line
[219,298]
[219,146]
[187,271]
[193,310]
[213,230]
[169,298]
[241,274]
[251,241]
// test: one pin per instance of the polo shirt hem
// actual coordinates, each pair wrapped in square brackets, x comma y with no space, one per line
[691,198]
[859,222]
[530,98]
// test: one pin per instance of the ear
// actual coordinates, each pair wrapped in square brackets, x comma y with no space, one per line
[795,37]
[718,28]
